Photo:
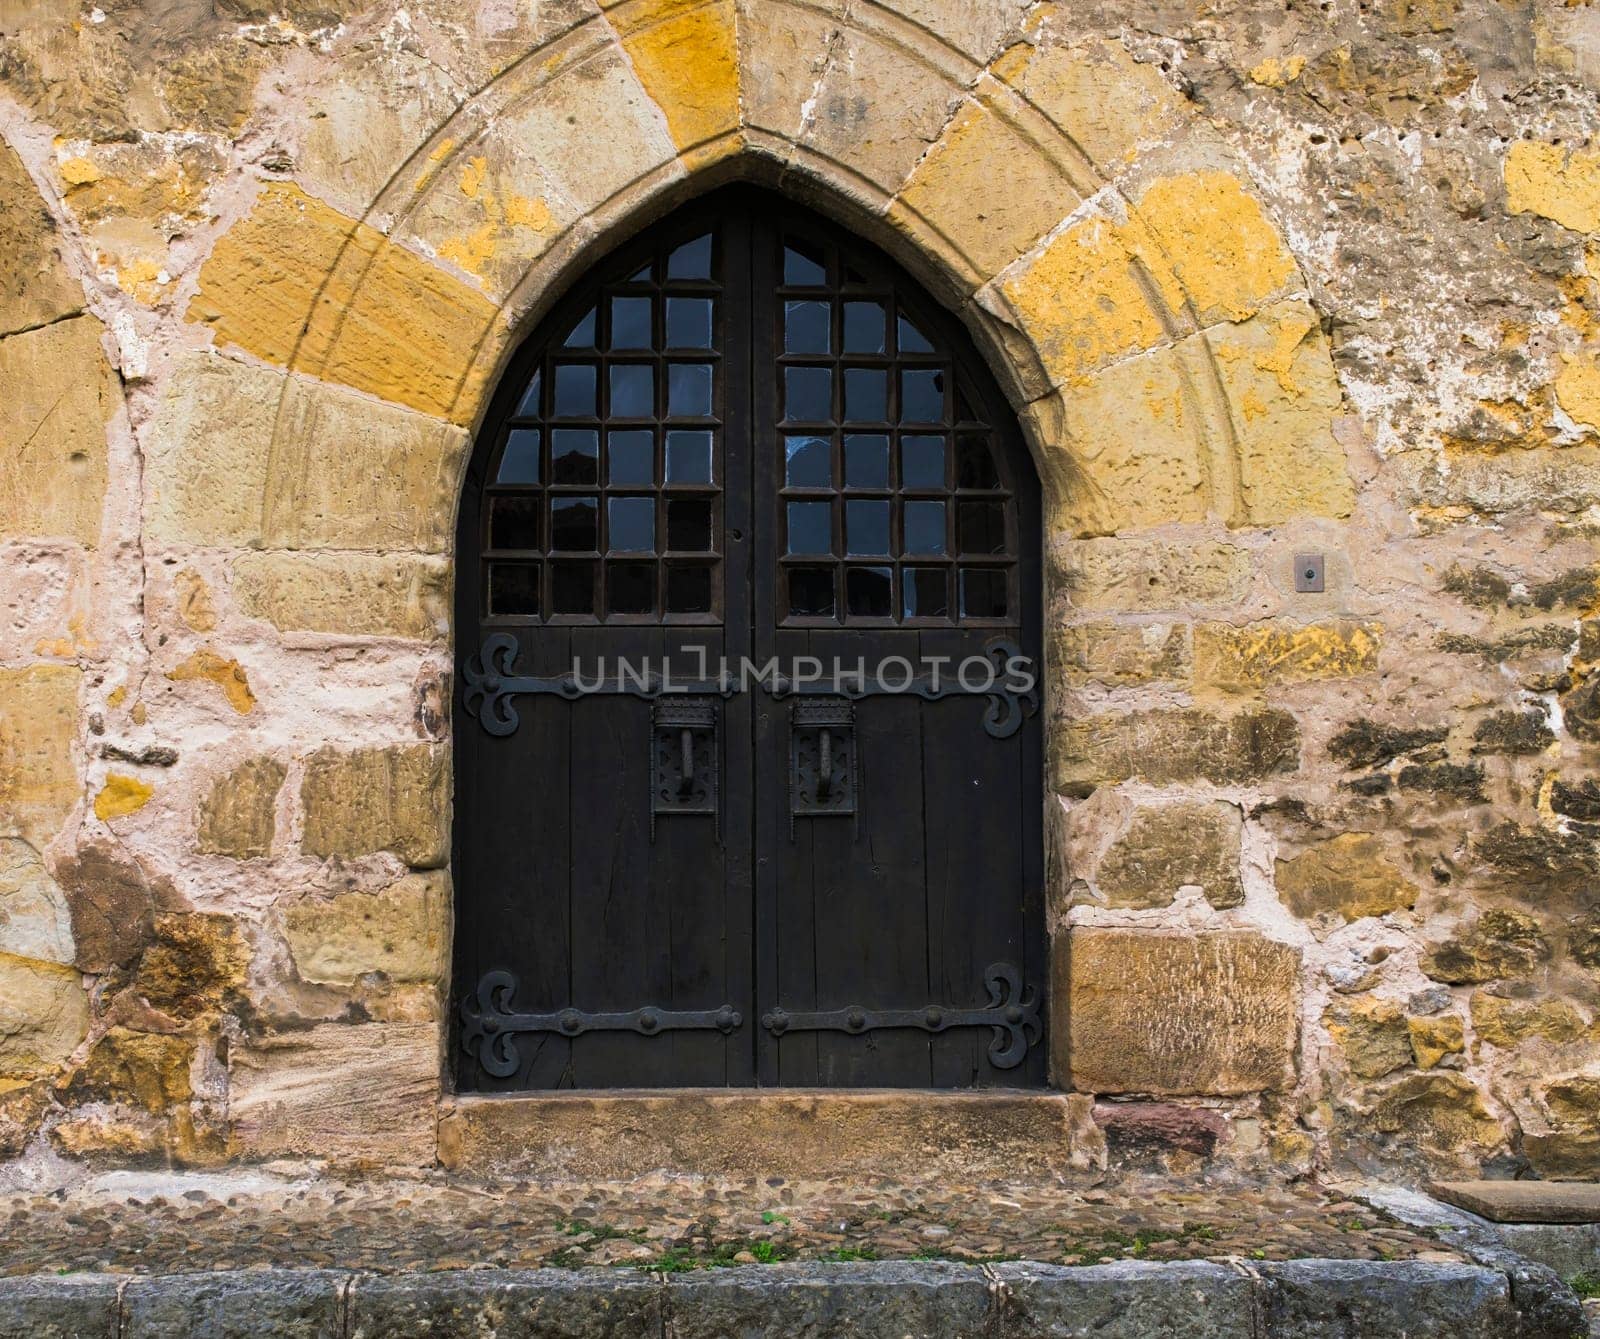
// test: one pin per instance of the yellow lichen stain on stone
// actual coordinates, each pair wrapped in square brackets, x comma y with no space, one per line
[117,696]
[1278,72]
[228,675]
[1554,182]
[684,54]
[121,796]
[79,172]
[1577,388]
[473,251]
[143,279]
[301,285]
[1260,654]
[76,643]
[1082,302]
[1213,247]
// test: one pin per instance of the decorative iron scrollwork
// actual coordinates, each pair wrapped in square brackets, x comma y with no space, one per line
[1012,1012]
[1008,705]
[489,1026]
[822,758]
[490,683]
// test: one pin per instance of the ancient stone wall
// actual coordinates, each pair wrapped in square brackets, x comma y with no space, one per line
[1261,280]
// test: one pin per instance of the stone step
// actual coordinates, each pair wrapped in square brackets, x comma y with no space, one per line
[1524,1201]
[1302,1299]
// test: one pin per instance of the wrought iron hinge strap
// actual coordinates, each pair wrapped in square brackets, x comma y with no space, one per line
[489,1026]
[1012,1012]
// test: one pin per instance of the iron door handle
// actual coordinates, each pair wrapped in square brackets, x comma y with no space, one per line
[686,761]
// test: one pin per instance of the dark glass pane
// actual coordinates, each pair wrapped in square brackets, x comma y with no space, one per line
[811,592]
[689,525]
[866,528]
[921,462]
[514,522]
[810,527]
[867,591]
[519,462]
[574,455]
[581,336]
[913,340]
[640,276]
[514,588]
[630,323]
[866,394]
[529,406]
[975,464]
[688,590]
[926,592]
[689,390]
[688,323]
[805,327]
[983,592]
[921,395]
[575,391]
[808,462]
[981,527]
[631,524]
[572,588]
[630,456]
[924,523]
[866,461]
[808,394]
[573,525]
[803,265]
[633,390]
[630,588]
[864,325]
[692,260]
[689,456]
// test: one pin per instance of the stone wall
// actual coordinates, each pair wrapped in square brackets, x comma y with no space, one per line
[1261,281]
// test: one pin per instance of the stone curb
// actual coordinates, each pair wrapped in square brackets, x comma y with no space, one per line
[1305,1299]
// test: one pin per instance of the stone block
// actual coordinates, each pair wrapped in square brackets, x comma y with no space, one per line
[384,799]
[59,1306]
[872,1301]
[401,932]
[1161,848]
[1498,945]
[360,1093]
[508,1304]
[1261,655]
[685,56]
[302,465]
[282,1303]
[1523,1201]
[1121,653]
[1125,1300]
[238,816]
[1348,876]
[34,918]
[1277,373]
[113,904]
[194,963]
[36,288]
[1334,1299]
[1173,744]
[1180,1014]
[1372,1033]
[1130,575]
[782,50]
[44,1014]
[1439,1112]
[60,396]
[149,1070]
[952,187]
[351,594]
[1507,1023]
[298,284]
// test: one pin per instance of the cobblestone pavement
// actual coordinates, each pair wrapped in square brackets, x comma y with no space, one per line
[165,1223]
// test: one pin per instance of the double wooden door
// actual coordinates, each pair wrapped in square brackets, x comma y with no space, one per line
[747,755]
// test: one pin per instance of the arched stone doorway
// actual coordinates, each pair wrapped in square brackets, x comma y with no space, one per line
[748,770]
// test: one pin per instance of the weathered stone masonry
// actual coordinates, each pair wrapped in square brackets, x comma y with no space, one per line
[1260,280]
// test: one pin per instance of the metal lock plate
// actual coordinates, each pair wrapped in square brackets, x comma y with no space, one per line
[684,756]
[822,757]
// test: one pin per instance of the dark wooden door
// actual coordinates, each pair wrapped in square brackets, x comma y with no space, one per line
[735,801]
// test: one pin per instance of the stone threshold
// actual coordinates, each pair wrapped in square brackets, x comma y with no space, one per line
[1302,1299]
[910,1134]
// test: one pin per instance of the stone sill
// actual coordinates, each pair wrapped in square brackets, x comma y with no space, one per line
[908,1134]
